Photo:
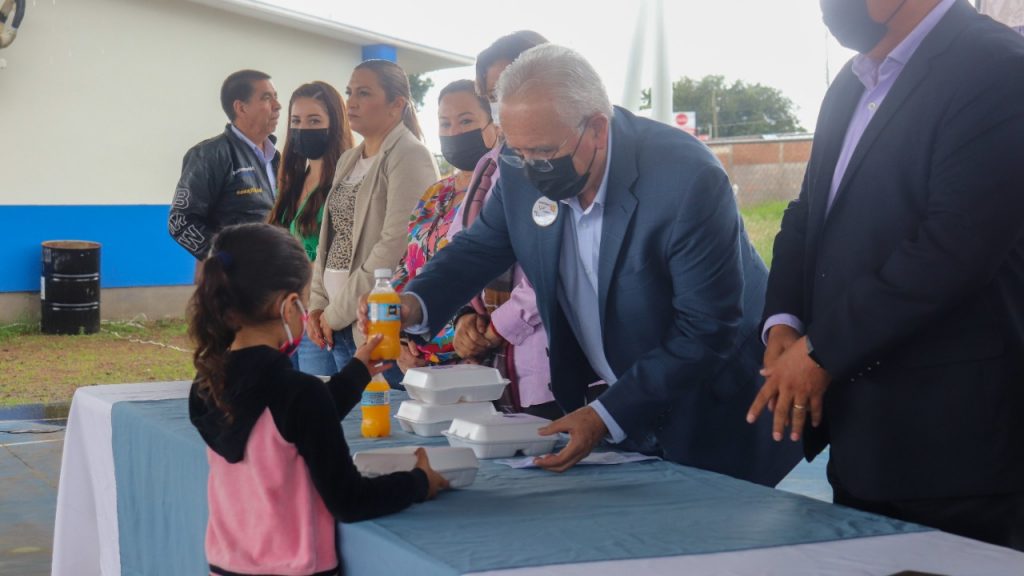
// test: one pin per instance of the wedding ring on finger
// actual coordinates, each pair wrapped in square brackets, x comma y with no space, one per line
[799,407]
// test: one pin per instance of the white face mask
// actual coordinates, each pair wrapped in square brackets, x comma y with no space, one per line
[494,113]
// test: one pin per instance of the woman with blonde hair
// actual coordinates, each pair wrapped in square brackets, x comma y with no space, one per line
[376,186]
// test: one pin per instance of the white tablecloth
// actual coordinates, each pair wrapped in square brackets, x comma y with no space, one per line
[85,535]
[932,552]
[86,531]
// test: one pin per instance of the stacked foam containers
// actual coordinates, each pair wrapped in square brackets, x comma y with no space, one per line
[440,394]
[456,401]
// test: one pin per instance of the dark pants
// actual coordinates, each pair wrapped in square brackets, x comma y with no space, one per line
[549,410]
[994,519]
[552,411]
[394,376]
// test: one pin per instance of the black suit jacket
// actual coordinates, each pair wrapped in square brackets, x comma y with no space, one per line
[912,285]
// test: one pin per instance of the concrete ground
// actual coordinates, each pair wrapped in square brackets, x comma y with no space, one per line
[31,443]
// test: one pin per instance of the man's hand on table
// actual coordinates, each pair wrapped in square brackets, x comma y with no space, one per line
[585,429]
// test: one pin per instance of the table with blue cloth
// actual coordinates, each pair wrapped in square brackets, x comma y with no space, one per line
[654,516]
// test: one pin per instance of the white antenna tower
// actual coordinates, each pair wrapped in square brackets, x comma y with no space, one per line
[661,88]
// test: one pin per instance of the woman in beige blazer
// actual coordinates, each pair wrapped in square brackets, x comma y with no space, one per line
[376,186]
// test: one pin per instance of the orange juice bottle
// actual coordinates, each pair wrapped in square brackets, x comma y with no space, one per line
[376,407]
[384,310]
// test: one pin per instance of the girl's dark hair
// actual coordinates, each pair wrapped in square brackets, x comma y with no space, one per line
[249,266]
[395,83]
[292,174]
[507,47]
[466,86]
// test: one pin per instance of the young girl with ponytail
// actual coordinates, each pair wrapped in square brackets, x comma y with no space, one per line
[280,470]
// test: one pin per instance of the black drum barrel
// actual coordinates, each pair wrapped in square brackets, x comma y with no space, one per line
[70,287]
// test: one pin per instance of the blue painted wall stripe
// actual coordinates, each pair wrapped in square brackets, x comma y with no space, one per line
[136,248]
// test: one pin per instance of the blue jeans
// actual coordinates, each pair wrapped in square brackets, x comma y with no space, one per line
[394,377]
[344,347]
[314,360]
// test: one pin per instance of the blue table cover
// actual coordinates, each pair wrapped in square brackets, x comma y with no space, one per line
[508,518]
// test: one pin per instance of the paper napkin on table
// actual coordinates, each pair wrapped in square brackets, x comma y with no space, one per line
[593,459]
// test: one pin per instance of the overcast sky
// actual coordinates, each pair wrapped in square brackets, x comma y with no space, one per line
[779,43]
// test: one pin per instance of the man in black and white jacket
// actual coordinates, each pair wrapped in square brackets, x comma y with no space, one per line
[230,178]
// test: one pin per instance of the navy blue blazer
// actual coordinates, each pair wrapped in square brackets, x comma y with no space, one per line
[680,294]
[912,285]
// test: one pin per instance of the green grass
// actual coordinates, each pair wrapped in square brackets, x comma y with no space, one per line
[43,368]
[763,223]
[9,332]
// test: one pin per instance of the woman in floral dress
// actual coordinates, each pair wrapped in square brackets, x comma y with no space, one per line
[467,133]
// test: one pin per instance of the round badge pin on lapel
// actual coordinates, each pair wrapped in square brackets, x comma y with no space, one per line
[545,211]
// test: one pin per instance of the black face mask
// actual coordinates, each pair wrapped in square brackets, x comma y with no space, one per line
[464,150]
[309,143]
[852,25]
[561,182]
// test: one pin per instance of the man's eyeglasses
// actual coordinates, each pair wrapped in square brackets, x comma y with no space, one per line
[516,160]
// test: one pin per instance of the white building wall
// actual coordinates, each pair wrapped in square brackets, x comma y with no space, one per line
[100,99]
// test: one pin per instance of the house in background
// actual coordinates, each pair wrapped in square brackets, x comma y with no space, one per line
[99,101]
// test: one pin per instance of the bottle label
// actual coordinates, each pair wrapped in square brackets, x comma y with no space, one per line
[376,398]
[384,312]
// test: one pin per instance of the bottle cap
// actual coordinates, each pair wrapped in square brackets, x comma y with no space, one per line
[382,273]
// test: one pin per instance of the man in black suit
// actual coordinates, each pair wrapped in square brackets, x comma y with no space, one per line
[895,308]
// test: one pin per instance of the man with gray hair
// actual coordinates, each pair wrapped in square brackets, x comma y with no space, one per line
[644,275]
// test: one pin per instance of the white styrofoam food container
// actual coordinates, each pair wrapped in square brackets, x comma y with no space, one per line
[501,435]
[433,419]
[457,465]
[454,383]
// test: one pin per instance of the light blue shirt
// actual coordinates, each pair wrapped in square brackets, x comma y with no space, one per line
[878,79]
[577,276]
[265,154]
[424,325]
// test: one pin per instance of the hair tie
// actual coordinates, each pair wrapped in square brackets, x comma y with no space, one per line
[225,259]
